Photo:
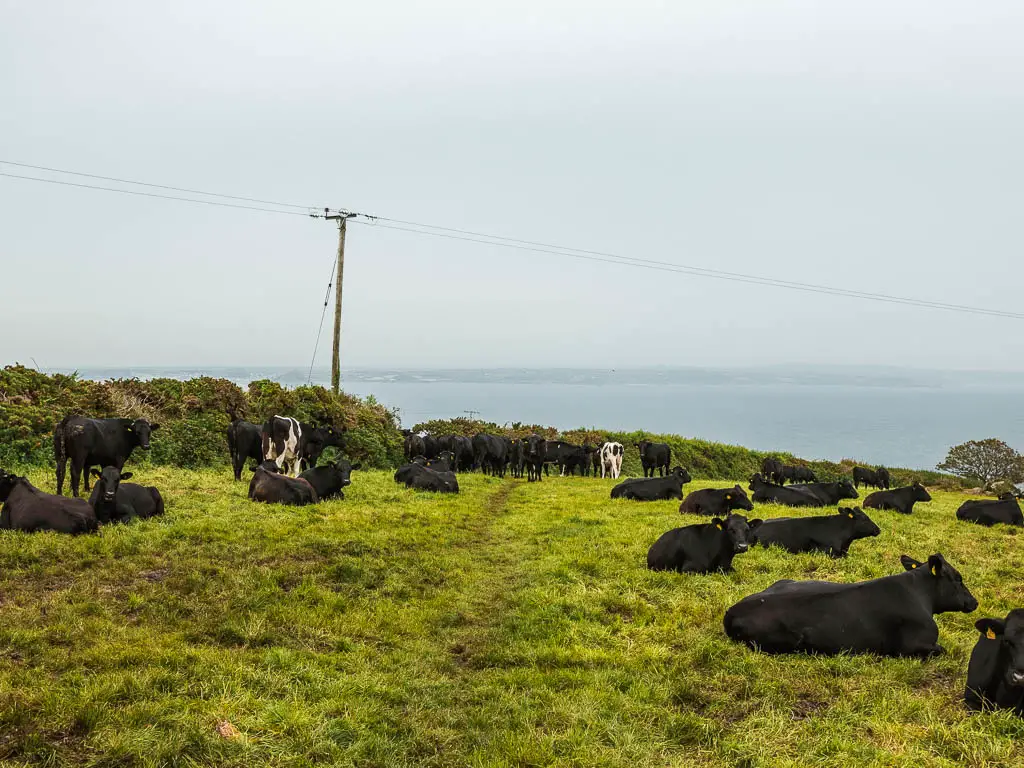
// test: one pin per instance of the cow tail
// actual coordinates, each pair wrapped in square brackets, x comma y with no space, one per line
[60,452]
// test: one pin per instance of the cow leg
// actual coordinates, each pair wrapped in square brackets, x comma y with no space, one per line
[237,462]
[61,469]
[76,472]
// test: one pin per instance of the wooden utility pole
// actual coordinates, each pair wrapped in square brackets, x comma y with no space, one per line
[341,218]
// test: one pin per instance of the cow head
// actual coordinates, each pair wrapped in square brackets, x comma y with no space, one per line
[267,466]
[642,445]
[755,480]
[535,446]
[736,498]
[863,526]
[7,483]
[846,490]
[443,456]
[345,467]
[141,430]
[682,474]
[1010,633]
[947,585]
[107,481]
[737,529]
[920,492]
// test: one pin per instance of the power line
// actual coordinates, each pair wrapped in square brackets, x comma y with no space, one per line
[154,194]
[663,266]
[309,378]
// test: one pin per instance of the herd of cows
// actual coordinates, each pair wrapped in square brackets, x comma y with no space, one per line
[891,616]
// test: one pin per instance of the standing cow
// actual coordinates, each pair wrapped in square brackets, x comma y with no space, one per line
[654,456]
[245,441]
[292,444]
[90,443]
[611,460]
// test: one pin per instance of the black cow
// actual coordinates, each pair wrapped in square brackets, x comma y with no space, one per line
[901,500]
[443,462]
[245,441]
[653,488]
[798,474]
[578,458]
[557,452]
[413,445]
[26,508]
[517,457]
[654,456]
[96,443]
[989,512]
[115,501]
[535,451]
[328,480]
[294,445]
[830,493]
[890,616]
[426,479]
[716,501]
[268,485]
[995,673]
[465,458]
[702,548]
[877,478]
[490,454]
[831,534]
[772,470]
[780,494]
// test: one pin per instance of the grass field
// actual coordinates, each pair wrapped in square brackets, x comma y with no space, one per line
[514,624]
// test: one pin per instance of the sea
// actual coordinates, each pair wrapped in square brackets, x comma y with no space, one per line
[889,416]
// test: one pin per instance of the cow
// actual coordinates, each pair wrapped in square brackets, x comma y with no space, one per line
[995,673]
[115,501]
[831,534]
[517,458]
[780,494]
[702,548]
[772,470]
[26,508]
[716,501]
[328,480]
[901,499]
[490,454]
[462,447]
[578,458]
[294,446]
[654,456]
[610,457]
[535,451]
[653,488]
[413,445]
[91,443]
[890,616]
[558,452]
[799,474]
[443,462]
[989,512]
[269,486]
[245,441]
[830,493]
[426,479]
[877,478]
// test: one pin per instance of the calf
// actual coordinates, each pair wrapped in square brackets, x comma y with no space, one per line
[535,451]
[611,459]
[716,501]
[328,480]
[830,493]
[890,616]
[797,474]
[702,548]
[831,534]
[245,441]
[268,485]
[995,673]
[294,445]
[989,512]
[877,478]
[96,442]
[780,494]
[115,501]
[26,508]
[426,479]
[654,456]
[901,500]
[653,488]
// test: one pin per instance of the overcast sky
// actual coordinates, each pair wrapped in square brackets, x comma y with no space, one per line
[874,145]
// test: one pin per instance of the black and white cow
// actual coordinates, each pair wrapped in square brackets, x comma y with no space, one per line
[245,441]
[995,673]
[890,616]
[293,446]
[611,459]
[91,443]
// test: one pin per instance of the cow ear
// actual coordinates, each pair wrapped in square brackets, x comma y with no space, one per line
[357,466]
[910,563]
[755,523]
[154,427]
[935,564]
[96,473]
[990,628]
[717,522]
[126,475]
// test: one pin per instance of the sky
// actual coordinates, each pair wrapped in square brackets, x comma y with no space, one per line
[871,145]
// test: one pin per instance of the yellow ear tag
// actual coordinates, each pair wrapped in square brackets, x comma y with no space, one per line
[935,570]
[728,496]
[913,565]
[990,634]
[718,526]
[850,514]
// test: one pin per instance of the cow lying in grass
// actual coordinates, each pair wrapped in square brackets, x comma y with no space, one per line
[26,508]
[995,674]
[901,500]
[702,548]
[765,492]
[989,512]
[716,501]
[269,486]
[890,616]
[329,479]
[424,478]
[653,488]
[831,534]
[830,493]
[118,502]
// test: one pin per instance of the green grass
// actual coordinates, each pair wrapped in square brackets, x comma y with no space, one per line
[514,624]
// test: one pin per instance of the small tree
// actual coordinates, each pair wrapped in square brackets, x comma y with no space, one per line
[985,461]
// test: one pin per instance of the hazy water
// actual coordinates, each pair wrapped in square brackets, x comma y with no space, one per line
[882,416]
